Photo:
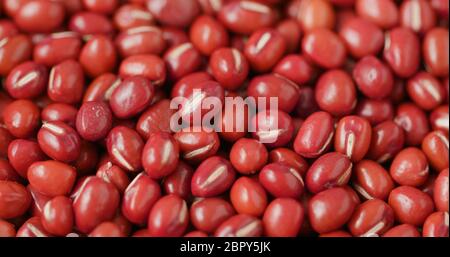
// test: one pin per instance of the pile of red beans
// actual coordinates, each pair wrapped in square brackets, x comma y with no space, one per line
[362,144]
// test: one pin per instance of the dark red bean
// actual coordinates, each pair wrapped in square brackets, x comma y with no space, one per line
[371,180]
[197,144]
[248,197]
[383,13]
[169,217]
[98,56]
[56,48]
[115,175]
[248,156]
[57,216]
[155,119]
[140,40]
[414,122]
[179,13]
[94,120]
[353,136]
[273,128]
[289,157]
[373,78]
[125,147]
[22,154]
[208,213]
[435,51]
[66,82]
[436,225]
[59,141]
[21,118]
[27,80]
[213,177]
[139,198]
[404,230]
[208,35]
[315,135]
[15,199]
[410,205]
[160,155]
[229,67]
[425,91]
[39,16]
[13,51]
[179,181]
[281,180]
[440,192]
[375,111]
[283,218]
[417,15]
[435,147]
[324,48]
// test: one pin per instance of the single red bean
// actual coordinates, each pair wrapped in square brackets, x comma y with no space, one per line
[213,177]
[291,31]
[281,180]
[155,119]
[439,119]
[7,172]
[273,85]
[375,111]
[229,67]
[22,153]
[139,198]
[125,146]
[66,82]
[248,197]
[39,16]
[240,225]
[361,37]
[178,13]
[95,202]
[404,230]
[274,128]
[106,229]
[248,156]
[315,135]
[435,51]
[15,199]
[314,14]
[179,182]
[207,35]
[289,157]
[182,60]
[101,88]
[417,15]
[283,218]
[131,97]
[425,91]
[21,118]
[27,80]
[98,56]
[59,141]
[57,48]
[372,218]
[324,48]
[383,13]
[388,139]
[410,205]
[13,51]
[57,216]
[436,225]
[105,6]
[410,167]
[208,213]
[115,175]
[150,66]
[160,155]
[296,68]
[169,217]
[353,136]
[373,78]
[7,229]
[435,147]
[94,120]
[32,228]
[196,144]
[329,210]
[51,178]
[90,23]
[140,40]
[328,171]
[440,192]
[402,51]
[132,15]
[371,180]
[336,93]
[414,122]
[264,49]
[245,17]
